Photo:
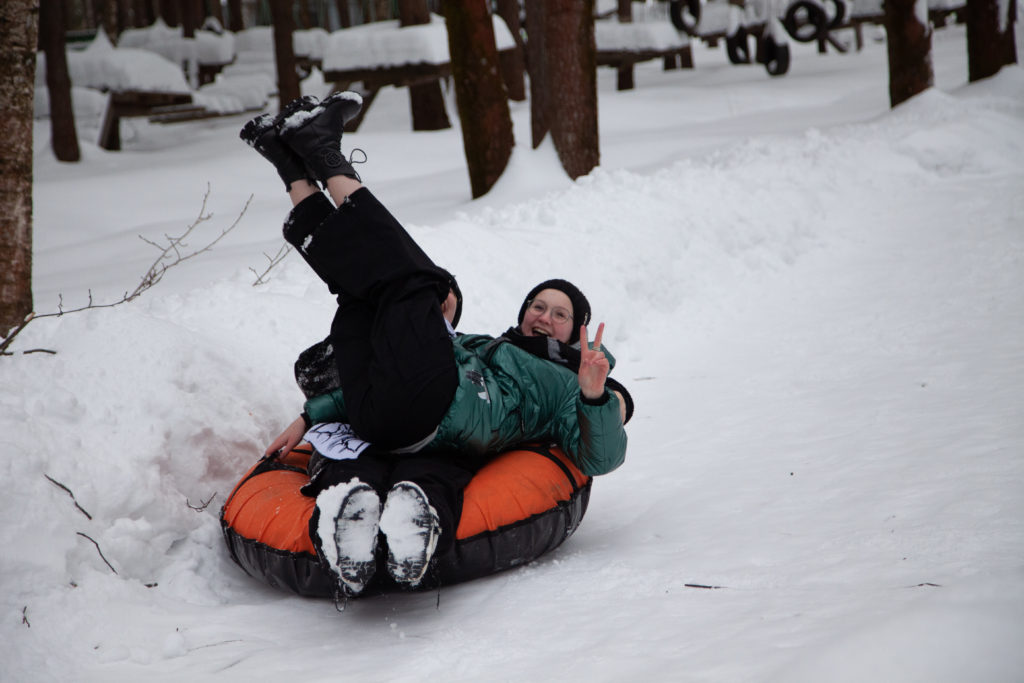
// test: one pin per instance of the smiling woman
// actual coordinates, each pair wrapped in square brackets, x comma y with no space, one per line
[554,308]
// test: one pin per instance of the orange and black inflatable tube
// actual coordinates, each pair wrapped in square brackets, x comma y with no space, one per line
[519,506]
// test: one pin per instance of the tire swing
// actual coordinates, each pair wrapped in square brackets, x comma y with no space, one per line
[774,55]
[520,505]
[839,9]
[685,15]
[737,46]
[806,21]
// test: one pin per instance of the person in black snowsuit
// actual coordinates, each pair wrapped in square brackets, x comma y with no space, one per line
[398,376]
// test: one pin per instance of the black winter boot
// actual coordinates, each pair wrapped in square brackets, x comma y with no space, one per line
[315,135]
[262,134]
[410,524]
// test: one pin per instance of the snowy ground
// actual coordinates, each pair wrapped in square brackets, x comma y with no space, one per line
[817,303]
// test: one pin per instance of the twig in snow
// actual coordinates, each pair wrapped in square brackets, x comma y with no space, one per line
[24,616]
[273,261]
[14,333]
[57,483]
[700,585]
[204,504]
[173,253]
[102,557]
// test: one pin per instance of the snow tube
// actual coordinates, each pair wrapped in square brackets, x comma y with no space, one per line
[519,506]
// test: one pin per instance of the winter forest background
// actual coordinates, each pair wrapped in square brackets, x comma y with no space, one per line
[813,282]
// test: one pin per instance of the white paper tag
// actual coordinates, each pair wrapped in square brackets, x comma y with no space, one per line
[336,440]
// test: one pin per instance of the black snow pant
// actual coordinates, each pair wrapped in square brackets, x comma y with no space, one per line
[396,366]
[395,361]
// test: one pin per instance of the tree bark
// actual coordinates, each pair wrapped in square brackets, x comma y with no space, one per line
[143,13]
[216,11]
[344,18]
[513,63]
[991,43]
[58,84]
[305,17]
[190,17]
[284,51]
[19,27]
[235,22]
[536,61]
[108,18]
[625,72]
[571,71]
[381,10]
[170,12]
[482,101]
[425,99]
[910,49]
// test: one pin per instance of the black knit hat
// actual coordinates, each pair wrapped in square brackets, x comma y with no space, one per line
[580,305]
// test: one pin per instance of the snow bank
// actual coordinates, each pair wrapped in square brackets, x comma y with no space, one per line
[655,35]
[104,67]
[383,44]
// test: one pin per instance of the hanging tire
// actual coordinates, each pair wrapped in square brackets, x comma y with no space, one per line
[737,46]
[805,21]
[685,15]
[775,57]
[835,13]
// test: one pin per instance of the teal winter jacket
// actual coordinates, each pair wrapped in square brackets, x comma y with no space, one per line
[507,396]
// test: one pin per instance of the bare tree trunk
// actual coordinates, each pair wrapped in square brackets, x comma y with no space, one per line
[991,43]
[143,13]
[108,18]
[235,22]
[19,25]
[425,99]
[381,10]
[305,18]
[170,12]
[215,10]
[58,84]
[344,18]
[483,104]
[513,63]
[190,19]
[89,13]
[284,51]
[625,76]
[910,49]
[536,61]
[124,14]
[571,71]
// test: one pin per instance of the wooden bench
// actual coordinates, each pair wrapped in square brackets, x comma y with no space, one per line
[373,79]
[134,103]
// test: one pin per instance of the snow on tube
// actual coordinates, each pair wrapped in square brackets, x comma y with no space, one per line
[519,506]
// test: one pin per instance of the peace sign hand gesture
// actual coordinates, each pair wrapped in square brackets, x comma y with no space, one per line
[594,366]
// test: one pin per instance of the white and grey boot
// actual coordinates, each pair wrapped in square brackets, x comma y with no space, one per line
[347,528]
[411,528]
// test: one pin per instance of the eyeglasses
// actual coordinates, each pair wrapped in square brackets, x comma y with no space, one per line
[558,314]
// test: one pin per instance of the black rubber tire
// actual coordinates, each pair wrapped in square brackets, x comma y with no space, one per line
[685,15]
[835,13]
[737,46]
[776,57]
[805,21]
